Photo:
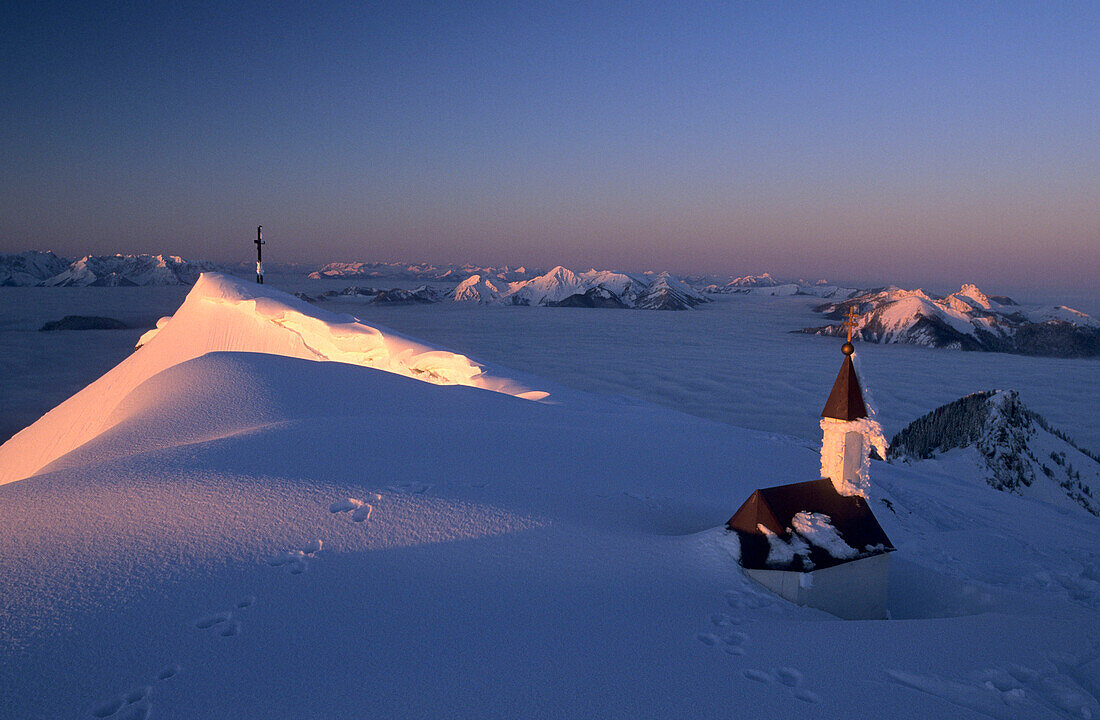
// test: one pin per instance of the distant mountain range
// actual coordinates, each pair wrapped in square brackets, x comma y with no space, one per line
[37,268]
[422,295]
[562,287]
[767,285]
[417,271]
[965,320]
[1013,448]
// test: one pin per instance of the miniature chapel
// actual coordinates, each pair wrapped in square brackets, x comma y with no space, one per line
[817,543]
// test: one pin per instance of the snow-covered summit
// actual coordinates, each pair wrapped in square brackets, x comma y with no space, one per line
[30,268]
[1013,448]
[223,313]
[476,289]
[965,320]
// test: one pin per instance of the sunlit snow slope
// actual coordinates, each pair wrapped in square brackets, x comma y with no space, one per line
[223,313]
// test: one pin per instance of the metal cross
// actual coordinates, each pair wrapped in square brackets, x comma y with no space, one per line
[850,321]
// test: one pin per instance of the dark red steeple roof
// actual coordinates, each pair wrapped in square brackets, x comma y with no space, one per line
[846,400]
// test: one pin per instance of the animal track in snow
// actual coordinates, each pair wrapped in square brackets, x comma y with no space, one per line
[297,561]
[707,639]
[758,676]
[359,509]
[226,625]
[345,505]
[209,621]
[168,672]
[807,696]
[134,705]
[788,676]
[1062,685]
[743,600]
[735,638]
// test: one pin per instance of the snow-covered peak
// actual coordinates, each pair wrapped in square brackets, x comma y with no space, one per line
[30,268]
[973,296]
[476,289]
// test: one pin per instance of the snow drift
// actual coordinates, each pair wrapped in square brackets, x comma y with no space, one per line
[223,313]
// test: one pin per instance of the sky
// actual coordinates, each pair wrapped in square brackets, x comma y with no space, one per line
[927,142]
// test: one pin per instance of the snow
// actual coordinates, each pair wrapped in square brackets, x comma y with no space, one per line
[223,313]
[44,268]
[475,289]
[817,529]
[650,290]
[782,552]
[560,559]
[1061,313]
[832,452]
[967,319]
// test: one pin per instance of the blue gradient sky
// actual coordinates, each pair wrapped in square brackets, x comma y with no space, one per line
[888,141]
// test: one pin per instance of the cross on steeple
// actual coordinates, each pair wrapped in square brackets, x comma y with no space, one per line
[850,321]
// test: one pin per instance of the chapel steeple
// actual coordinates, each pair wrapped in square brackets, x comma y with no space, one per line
[844,448]
[846,400]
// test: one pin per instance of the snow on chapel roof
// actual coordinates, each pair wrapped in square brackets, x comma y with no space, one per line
[771,516]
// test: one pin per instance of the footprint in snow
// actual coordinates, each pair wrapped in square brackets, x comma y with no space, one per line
[758,676]
[169,671]
[707,639]
[736,638]
[297,561]
[134,704]
[807,696]
[345,505]
[359,509]
[788,676]
[246,601]
[208,621]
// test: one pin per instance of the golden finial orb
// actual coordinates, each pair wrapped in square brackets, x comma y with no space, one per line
[847,348]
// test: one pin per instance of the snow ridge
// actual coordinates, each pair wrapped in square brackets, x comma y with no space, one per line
[223,313]
[1017,451]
